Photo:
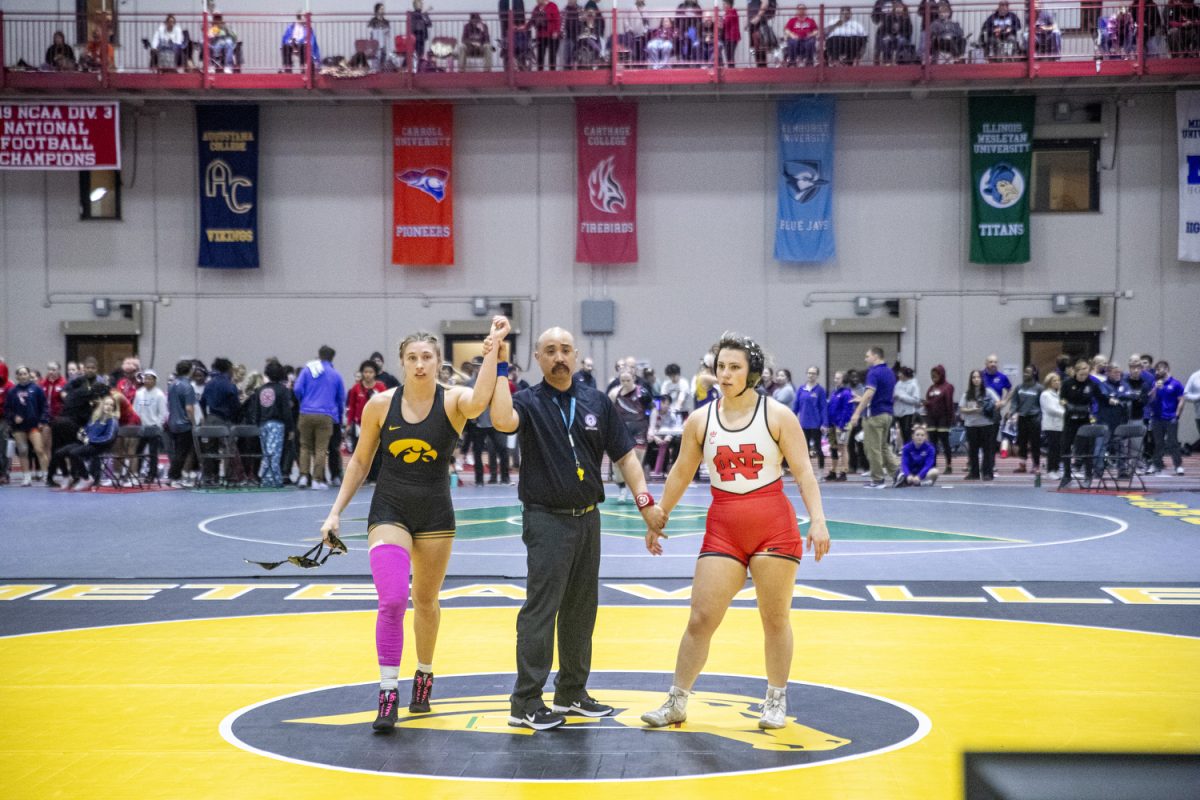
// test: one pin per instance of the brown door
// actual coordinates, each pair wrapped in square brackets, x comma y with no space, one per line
[109,351]
[1043,349]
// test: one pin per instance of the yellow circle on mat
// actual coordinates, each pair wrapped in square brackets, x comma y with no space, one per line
[134,711]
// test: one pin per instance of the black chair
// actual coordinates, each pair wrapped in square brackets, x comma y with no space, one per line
[248,443]
[124,450]
[214,448]
[1125,462]
[1088,457]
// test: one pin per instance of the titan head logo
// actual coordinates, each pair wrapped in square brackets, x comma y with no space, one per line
[604,190]
[413,450]
[431,180]
[803,179]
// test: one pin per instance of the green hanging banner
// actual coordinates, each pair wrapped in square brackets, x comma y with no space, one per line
[1001,154]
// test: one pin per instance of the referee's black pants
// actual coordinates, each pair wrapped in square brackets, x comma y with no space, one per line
[563,558]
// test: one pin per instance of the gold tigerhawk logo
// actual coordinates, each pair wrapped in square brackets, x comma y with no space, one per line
[413,450]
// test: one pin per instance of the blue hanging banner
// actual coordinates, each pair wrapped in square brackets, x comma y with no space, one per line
[804,225]
[228,140]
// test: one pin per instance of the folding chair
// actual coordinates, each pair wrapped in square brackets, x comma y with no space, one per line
[124,449]
[1086,464]
[249,455]
[214,445]
[1125,455]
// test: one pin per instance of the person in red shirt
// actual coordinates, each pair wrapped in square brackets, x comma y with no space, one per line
[126,447]
[53,385]
[5,386]
[801,31]
[127,382]
[547,22]
[731,32]
[356,399]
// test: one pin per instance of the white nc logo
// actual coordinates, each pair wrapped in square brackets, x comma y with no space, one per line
[604,191]
[219,178]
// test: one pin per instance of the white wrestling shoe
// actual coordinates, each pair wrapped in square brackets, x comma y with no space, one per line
[774,713]
[672,712]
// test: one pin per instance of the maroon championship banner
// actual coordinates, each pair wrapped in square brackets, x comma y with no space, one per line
[606,136]
[66,136]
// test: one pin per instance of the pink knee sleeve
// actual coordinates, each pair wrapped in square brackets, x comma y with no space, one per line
[390,566]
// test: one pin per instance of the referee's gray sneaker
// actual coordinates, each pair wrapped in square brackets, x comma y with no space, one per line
[541,720]
[585,706]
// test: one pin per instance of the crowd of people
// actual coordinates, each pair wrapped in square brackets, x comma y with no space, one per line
[876,422]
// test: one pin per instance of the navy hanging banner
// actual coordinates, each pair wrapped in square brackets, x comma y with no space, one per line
[228,139]
[804,222]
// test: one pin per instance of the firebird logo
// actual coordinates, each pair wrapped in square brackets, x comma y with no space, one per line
[604,190]
[745,461]
[431,180]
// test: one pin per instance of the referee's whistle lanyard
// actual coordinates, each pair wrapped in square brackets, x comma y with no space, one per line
[569,420]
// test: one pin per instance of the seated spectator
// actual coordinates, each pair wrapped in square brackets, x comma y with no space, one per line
[589,48]
[1047,37]
[918,461]
[1155,37]
[477,43]
[1001,34]
[687,29]
[222,44]
[95,439]
[665,432]
[1183,28]
[801,38]
[894,35]
[845,39]
[297,38]
[150,404]
[60,55]
[946,40]
[166,48]
[97,54]
[635,27]
[379,30]
[547,29]
[661,47]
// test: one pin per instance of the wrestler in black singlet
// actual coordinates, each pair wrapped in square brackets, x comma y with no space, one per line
[413,489]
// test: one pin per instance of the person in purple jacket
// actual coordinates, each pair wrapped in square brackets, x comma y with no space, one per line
[918,461]
[322,397]
[841,408]
[812,407]
[1166,404]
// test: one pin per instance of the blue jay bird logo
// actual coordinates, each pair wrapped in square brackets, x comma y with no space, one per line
[803,179]
[431,180]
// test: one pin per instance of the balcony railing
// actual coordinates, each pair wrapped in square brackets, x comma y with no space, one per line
[804,46]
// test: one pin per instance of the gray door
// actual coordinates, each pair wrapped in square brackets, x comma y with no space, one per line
[845,351]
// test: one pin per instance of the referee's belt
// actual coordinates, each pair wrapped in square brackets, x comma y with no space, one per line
[566,512]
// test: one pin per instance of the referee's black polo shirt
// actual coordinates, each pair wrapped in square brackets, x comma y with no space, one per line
[548,475]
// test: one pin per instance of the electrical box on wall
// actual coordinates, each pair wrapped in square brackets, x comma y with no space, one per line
[598,317]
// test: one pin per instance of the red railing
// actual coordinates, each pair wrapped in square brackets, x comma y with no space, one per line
[689,44]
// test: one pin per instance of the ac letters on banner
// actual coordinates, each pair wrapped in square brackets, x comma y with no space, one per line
[1187,115]
[422,189]
[1001,133]
[804,221]
[60,136]
[228,139]
[606,183]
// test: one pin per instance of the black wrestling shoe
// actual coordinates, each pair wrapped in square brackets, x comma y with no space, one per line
[389,702]
[422,689]
[585,706]
[541,720]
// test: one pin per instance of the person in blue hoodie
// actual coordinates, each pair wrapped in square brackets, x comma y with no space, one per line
[95,439]
[25,411]
[841,408]
[918,460]
[322,401]
[297,38]
[811,405]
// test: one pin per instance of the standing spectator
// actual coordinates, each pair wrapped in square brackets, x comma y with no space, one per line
[918,460]
[95,440]
[1078,396]
[79,399]
[181,411]
[801,38]
[1183,28]
[1166,405]
[841,406]
[126,380]
[858,456]
[516,382]
[273,414]
[53,385]
[782,389]
[167,45]
[674,387]
[663,436]
[221,404]
[1029,419]
[150,404]
[299,39]
[687,27]
[419,26]
[514,10]
[547,26]
[997,381]
[731,32]
[24,412]
[633,404]
[572,25]
[876,407]
[907,402]
[979,408]
[381,374]
[1140,383]
[1052,424]
[367,386]
[5,386]
[379,30]
[635,28]
[759,16]
[483,435]
[586,375]
[322,397]
[811,406]
[1191,393]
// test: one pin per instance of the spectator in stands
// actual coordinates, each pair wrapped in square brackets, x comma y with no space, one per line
[918,460]
[801,38]
[841,407]
[1166,406]
[126,380]
[999,383]
[635,27]
[366,387]
[661,47]
[547,26]
[222,43]
[1099,366]
[632,404]
[731,32]
[811,406]
[1078,397]
[79,400]
[906,401]
[53,385]
[516,382]
[759,18]
[586,374]
[273,414]
[60,55]
[379,30]
[1183,28]
[24,410]
[96,439]
[167,45]
[221,404]
[1052,424]
[514,10]
[946,39]
[979,409]
[1027,405]
[298,39]
[687,29]
[1115,402]
[1046,34]
[150,404]
[419,25]
[322,397]
[381,374]
[74,370]
[674,387]
[894,36]
[589,47]
[876,407]
[1062,365]
[476,43]
[572,22]
[782,388]
[5,386]
[1001,34]
[1155,30]
[845,39]
[98,54]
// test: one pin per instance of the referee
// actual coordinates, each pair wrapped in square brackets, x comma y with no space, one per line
[564,428]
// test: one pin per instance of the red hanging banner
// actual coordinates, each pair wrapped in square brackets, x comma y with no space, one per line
[606,136]
[60,136]
[422,194]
